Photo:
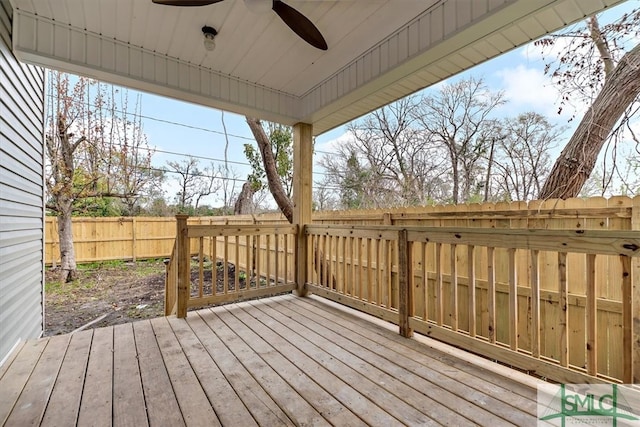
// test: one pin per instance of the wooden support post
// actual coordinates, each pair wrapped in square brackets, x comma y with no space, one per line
[302,197]
[183,250]
[634,284]
[405,303]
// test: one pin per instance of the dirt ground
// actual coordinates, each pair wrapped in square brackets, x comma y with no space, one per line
[111,293]
[108,293]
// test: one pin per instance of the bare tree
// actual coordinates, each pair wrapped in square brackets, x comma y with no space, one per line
[594,68]
[522,156]
[88,130]
[194,183]
[388,161]
[457,118]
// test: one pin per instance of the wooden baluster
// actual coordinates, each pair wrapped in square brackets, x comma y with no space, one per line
[388,275]
[439,286]
[285,266]
[343,279]
[278,264]
[379,271]
[563,292]
[257,250]
[491,293]
[248,262]
[592,316]
[471,287]
[268,259]
[225,265]
[513,301]
[236,261]
[360,277]
[454,289]
[627,324]
[214,264]
[535,303]
[200,266]
[369,272]
[425,281]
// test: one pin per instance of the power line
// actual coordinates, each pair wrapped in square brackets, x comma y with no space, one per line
[169,122]
[166,121]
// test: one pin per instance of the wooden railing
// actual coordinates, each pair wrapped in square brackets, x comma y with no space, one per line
[214,264]
[561,304]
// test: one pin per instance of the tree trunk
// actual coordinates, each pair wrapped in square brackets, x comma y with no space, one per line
[243,203]
[65,234]
[275,186]
[577,160]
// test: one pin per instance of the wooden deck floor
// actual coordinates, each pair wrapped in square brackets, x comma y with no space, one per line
[277,361]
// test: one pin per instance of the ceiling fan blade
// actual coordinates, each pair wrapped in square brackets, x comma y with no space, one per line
[300,24]
[186,2]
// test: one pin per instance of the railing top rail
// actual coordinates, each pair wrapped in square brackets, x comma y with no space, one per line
[618,212]
[606,242]
[239,230]
[365,231]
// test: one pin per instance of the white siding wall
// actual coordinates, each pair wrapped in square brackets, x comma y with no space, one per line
[21,194]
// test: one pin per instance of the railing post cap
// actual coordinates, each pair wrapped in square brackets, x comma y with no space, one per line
[182,216]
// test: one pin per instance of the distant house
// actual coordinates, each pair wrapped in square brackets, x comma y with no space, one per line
[21,194]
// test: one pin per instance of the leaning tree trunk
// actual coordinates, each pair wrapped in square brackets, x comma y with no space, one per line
[275,186]
[244,203]
[577,160]
[67,253]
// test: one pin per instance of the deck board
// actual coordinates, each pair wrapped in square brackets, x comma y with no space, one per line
[294,405]
[18,369]
[64,402]
[96,403]
[256,399]
[226,404]
[455,388]
[33,399]
[276,361]
[162,406]
[128,397]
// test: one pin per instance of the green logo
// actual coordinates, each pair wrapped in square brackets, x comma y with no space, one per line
[589,404]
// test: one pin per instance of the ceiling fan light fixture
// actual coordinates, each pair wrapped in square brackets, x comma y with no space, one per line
[259,6]
[209,34]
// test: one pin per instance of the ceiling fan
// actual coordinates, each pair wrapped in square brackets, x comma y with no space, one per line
[300,24]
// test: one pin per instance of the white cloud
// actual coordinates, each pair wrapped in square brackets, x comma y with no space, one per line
[528,89]
[331,144]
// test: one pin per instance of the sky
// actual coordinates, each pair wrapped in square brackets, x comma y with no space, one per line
[177,129]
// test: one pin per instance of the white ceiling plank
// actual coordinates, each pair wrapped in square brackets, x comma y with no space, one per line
[379,50]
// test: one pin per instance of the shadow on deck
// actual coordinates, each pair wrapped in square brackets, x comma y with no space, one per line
[277,361]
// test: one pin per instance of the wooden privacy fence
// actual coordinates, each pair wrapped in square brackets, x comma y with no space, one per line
[255,261]
[101,239]
[558,303]
[125,238]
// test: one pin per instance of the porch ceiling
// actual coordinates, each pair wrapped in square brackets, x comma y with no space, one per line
[379,50]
